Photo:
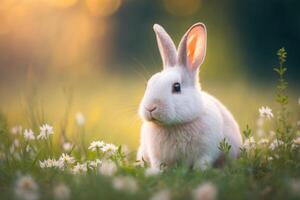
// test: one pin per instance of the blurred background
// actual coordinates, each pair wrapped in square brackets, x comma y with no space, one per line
[61,57]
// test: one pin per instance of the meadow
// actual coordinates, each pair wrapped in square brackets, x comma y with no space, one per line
[80,143]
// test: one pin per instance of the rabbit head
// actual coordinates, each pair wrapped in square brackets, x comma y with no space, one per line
[173,95]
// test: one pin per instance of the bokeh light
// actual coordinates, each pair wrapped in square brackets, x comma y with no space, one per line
[182,8]
[103,7]
[61,3]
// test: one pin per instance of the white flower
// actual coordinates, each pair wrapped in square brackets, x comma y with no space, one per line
[96,145]
[161,195]
[80,120]
[270,158]
[61,192]
[125,183]
[51,163]
[28,134]
[67,146]
[275,144]
[249,143]
[45,132]
[93,164]
[28,148]
[16,130]
[67,159]
[79,168]
[206,191]
[297,141]
[150,171]
[111,148]
[298,123]
[265,112]
[108,168]
[26,188]
[263,141]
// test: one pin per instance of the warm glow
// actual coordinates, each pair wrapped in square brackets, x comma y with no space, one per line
[103,7]
[182,8]
[61,3]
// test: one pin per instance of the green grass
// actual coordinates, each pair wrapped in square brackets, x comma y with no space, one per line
[261,172]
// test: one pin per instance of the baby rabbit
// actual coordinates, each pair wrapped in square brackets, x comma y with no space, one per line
[182,123]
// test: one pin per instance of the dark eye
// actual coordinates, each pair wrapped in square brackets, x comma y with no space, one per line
[176,88]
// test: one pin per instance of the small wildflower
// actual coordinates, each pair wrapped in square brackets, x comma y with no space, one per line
[125,183]
[270,158]
[108,168]
[206,191]
[28,148]
[111,148]
[80,120]
[16,130]
[161,195]
[79,168]
[263,141]
[28,134]
[51,163]
[265,112]
[249,143]
[26,188]
[275,144]
[67,159]
[45,131]
[296,141]
[67,146]
[151,171]
[61,192]
[93,164]
[96,145]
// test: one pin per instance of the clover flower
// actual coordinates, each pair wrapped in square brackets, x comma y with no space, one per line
[161,195]
[125,183]
[61,192]
[26,188]
[206,191]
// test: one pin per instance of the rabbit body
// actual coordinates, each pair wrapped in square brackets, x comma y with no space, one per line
[182,123]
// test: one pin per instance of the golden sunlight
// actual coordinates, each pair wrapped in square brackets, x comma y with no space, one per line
[103,7]
[182,8]
[61,3]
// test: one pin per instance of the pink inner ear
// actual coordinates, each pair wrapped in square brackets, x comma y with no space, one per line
[195,46]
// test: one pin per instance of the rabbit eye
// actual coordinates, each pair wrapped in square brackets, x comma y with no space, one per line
[176,88]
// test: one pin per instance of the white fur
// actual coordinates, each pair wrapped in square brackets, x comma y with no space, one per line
[186,127]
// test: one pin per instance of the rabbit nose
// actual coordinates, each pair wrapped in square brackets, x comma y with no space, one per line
[151,108]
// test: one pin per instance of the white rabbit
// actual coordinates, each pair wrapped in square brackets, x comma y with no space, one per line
[182,123]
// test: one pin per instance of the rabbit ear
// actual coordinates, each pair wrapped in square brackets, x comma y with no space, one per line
[166,46]
[192,47]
